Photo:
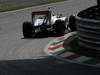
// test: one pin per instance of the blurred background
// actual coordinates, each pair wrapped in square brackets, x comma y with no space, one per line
[6,4]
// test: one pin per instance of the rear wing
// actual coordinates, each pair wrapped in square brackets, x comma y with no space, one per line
[45,12]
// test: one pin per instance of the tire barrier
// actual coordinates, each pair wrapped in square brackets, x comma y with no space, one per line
[88,28]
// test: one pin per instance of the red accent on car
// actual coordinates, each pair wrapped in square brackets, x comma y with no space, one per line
[41,12]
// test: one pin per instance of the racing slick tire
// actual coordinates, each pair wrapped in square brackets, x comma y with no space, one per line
[59,27]
[72,24]
[27,29]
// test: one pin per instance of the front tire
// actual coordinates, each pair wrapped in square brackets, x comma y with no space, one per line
[27,29]
[59,27]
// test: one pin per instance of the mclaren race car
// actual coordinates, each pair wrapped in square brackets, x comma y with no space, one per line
[44,22]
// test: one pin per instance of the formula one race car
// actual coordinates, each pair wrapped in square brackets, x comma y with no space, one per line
[44,22]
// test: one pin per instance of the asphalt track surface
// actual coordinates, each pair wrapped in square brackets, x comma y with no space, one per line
[19,56]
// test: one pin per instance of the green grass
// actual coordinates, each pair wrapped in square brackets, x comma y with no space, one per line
[21,7]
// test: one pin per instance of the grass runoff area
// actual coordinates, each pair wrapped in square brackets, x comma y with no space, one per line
[37,4]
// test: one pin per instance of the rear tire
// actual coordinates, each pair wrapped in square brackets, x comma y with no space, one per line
[59,27]
[27,29]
